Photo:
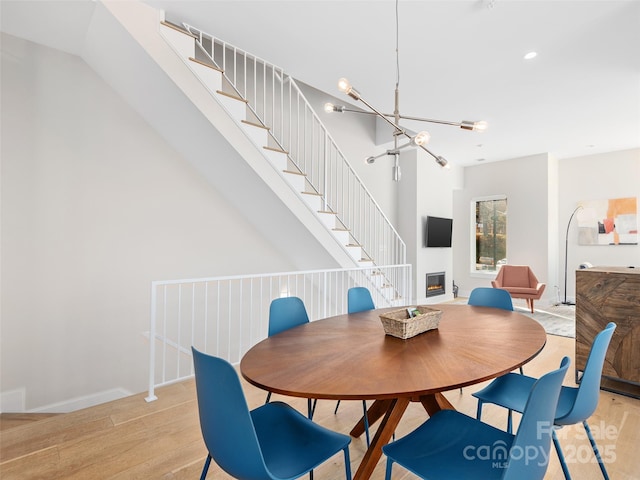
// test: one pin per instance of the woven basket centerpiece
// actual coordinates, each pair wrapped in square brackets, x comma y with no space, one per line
[399,323]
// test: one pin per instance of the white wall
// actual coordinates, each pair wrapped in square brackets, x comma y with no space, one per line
[595,177]
[425,189]
[95,206]
[525,182]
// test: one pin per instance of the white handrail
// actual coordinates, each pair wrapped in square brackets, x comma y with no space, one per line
[278,103]
[225,316]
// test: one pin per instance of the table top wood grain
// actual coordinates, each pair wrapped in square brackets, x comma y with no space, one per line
[349,356]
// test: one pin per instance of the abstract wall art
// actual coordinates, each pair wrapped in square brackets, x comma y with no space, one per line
[608,222]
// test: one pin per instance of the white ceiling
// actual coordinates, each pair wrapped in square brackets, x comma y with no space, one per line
[459,60]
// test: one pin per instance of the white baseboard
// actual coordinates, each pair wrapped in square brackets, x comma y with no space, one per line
[14,401]
[83,402]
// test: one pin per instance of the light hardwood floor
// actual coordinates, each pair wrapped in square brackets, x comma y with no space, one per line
[132,439]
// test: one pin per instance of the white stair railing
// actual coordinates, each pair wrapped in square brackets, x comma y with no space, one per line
[280,105]
[226,316]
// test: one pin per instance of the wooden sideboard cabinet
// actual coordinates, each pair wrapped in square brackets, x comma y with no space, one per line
[603,295]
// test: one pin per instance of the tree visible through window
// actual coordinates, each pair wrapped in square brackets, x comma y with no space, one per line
[491,233]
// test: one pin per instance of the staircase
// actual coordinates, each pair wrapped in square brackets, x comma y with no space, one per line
[272,111]
[260,113]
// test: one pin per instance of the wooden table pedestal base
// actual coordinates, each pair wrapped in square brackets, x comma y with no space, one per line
[391,411]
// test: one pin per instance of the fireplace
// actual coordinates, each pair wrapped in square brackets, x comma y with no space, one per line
[435,284]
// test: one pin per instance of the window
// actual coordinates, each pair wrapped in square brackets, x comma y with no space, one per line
[490,245]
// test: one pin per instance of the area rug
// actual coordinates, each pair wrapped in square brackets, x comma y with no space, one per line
[555,319]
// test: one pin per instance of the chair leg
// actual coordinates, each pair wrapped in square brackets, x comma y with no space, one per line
[207,462]
[366,421]
[509,416]
[521,371]
[563,463]
[268,398]
[364,414]
[311,407]
[595,450]
[388,470]
[347,463]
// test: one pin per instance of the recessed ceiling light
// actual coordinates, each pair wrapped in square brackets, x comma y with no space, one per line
[530,55]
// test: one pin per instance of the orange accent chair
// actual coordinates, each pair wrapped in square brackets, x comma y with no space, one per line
[520,282]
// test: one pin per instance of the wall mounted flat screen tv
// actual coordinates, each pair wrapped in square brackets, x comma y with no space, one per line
[438,232]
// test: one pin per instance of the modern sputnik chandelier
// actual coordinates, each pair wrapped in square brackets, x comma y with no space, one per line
[419,140]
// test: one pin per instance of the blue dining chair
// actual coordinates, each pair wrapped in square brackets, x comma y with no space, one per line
[451,445]
[359,300]
[271,442]
[576,405]
[491,297]
[286,313]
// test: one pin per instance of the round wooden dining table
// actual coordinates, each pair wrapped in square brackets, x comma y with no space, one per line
[349,357]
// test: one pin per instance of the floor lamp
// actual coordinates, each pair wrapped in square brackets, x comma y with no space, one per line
[566,251]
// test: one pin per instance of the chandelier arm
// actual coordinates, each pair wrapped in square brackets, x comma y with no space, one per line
[430,120]
[386,152]
[351,110]
[429,151]
[396,127]
[465,125]
[398,131]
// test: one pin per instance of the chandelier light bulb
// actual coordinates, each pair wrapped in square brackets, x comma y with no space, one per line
[344,86]
[422,138]
[330,107]
[475,126]
[480,126]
